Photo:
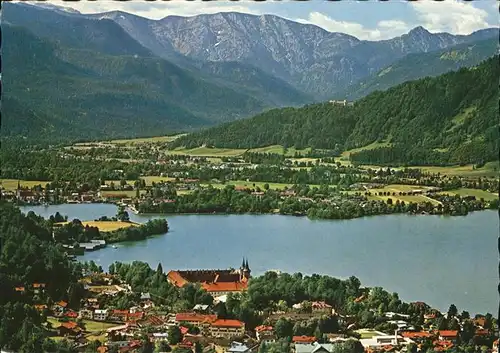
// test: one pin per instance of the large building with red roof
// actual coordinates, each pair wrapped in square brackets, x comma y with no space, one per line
[215,282]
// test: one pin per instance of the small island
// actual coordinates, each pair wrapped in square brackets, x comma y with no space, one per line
[78,236]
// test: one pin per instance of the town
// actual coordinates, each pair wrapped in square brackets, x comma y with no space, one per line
[147,177]
[231,311]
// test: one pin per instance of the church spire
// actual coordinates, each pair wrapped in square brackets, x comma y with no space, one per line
[243,263]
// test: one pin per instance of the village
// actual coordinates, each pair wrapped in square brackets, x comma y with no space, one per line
[204,329]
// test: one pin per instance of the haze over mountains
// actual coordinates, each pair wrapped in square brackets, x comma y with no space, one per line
[183,73]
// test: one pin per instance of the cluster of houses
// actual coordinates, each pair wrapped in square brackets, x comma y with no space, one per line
[122,328]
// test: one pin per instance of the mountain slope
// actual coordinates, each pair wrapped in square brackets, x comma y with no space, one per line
[306,56]
[415,66]
[104,35]
[452,118]
[84,94]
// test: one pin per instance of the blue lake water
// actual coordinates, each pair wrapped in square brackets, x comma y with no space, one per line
[436,259]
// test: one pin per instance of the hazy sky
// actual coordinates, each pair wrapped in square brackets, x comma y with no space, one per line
[370,19]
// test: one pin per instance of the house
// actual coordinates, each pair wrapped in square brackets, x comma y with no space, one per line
[448,335]
[263,331]
[145,296]
[160,336]
[69,329]
[237,347]
[38,288]
[19,289]
[418,336]
[315,348]
[40,307]
[227,328]
[199,320]
[118,315]
[399,323]
[321,307]
[59,308]
[200,308]
[385,340]
[101,315]
[391,315]
[86,314]
[303,339]
[215,282]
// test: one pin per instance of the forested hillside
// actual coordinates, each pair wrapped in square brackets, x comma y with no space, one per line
[419,65]
[452,118]
[60,92]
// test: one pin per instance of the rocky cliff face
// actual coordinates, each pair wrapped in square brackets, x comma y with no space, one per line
[309,57]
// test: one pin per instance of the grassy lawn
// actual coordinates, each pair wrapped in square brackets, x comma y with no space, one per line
[208,152]
[97,326]
[345,155]
[278,149]
[107,226]
[147,140]
[250,185]
[401,188]
[11,184]
[119,193]
[157,179]
[472,192]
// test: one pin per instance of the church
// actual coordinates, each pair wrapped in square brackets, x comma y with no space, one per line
[215,282]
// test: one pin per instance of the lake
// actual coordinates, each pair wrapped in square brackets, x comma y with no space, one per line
[436,259]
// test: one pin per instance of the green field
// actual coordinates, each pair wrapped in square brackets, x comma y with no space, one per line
[207,152]
[156,179]
[401,188]
[146,140]
[11,184]
[488,196]
[250,185]
[345,155]
[107,226]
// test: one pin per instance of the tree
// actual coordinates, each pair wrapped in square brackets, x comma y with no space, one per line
[198,348]
[465,315]
[174,335]
[452,311]
[122,215]
[147,345]
[283,328]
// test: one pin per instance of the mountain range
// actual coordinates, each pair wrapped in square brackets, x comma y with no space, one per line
[132,76]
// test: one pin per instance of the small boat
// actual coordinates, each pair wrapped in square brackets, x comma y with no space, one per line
[114,247]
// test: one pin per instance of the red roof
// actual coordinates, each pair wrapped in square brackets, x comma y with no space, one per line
[448,333]
[225,286]
[418,334]
[38,285]
[72,314]
[117,312]
[19,289]
[263,328]
[411,334]
[62,303]
[102,349]
[69,325]
[482,332]
[184,330]
[137,315]
[228,323]
[40,307]
[320,305]
[303,339]
[193,317]
[176,279]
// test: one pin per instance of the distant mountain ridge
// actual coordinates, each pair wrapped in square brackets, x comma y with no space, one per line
[306,56]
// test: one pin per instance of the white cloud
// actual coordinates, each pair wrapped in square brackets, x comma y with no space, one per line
[161,9]
[384,29]
[458,17]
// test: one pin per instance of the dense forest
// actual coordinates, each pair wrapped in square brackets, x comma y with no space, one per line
[449,119]
[62,93]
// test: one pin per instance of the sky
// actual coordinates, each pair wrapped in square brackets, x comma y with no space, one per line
[369,19]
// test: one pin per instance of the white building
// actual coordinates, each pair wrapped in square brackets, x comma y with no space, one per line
[101,314]
[385,340]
